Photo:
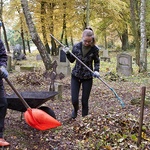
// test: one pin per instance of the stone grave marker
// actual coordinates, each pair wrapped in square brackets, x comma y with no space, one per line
[17,54]
[105,53]
[105,56]
[124,64]
[38,57]
[63,64]
[62,56]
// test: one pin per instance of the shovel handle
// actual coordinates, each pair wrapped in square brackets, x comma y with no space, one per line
[17,93]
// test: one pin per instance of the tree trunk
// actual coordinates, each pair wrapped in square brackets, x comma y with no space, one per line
[28,45]
[3,26]
[88,13]
[105,39]
[135,30]
[54,50]
[143,51]
[64,30]
[23,40]
[43,13]
[35,37]
[5,37]
[124,38]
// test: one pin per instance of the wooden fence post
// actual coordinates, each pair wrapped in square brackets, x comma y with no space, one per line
[143,91]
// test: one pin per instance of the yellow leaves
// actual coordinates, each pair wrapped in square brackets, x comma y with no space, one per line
[107,147]
[31,78]
[145,137]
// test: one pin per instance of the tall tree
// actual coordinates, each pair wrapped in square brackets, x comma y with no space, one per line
[64,28]
[21,29]
[43,24]
[143,51]
[3,26]
[88,13]
[134,9]
[50,9]
[35,37]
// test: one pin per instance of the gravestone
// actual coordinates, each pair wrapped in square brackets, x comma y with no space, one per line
[62,56]
[63,63]
[124,64]
[105,56]
[38,57]
[17,54]
[105,53]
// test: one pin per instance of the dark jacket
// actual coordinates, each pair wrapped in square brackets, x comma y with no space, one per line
[79,69]
[3,57]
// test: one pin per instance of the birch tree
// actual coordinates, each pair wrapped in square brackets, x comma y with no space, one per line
[143,51]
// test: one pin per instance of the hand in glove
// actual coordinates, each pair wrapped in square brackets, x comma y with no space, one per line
[66,50]
[3,72]
[96,74]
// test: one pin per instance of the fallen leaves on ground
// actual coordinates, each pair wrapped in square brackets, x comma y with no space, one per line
[107,127]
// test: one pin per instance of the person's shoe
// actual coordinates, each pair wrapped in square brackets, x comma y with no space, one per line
[74,114]
[3,142]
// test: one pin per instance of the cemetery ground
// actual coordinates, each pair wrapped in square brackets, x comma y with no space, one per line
[107,127]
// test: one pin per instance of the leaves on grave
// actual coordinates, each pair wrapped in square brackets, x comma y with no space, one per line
[112,76]
[31,78]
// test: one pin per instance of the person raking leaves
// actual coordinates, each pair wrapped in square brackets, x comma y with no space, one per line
[88,53]
[3,100]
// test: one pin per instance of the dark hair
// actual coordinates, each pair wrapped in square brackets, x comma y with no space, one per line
[89,28]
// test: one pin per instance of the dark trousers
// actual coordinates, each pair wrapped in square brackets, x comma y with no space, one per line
[86,89]
[3,109]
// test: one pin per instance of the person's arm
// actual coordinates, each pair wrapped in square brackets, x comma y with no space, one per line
[96,73]
[3,61]
[3,55]
[96,61]
[70,57]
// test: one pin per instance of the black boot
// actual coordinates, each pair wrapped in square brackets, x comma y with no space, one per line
[74,114]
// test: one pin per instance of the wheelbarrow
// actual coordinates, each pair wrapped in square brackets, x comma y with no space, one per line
[34,99]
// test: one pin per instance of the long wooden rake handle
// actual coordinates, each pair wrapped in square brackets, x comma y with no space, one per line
[119,99]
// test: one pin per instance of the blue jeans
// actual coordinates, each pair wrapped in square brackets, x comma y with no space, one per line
[3,109]
[86,89]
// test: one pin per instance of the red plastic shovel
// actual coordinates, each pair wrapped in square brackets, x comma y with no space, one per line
[34,117]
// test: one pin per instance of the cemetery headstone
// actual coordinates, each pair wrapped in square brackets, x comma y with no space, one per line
[17,54]
[124,64]
[105,56]
[105,53]
[63,64]
[62,56]
[38,57]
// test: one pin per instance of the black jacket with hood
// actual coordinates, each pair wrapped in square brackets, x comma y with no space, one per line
[91,59]
[3,58]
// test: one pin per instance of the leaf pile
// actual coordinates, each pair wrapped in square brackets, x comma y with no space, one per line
[31,78]
[104,131]
[107,127]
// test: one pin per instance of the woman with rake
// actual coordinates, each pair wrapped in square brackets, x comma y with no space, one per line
[88,53]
